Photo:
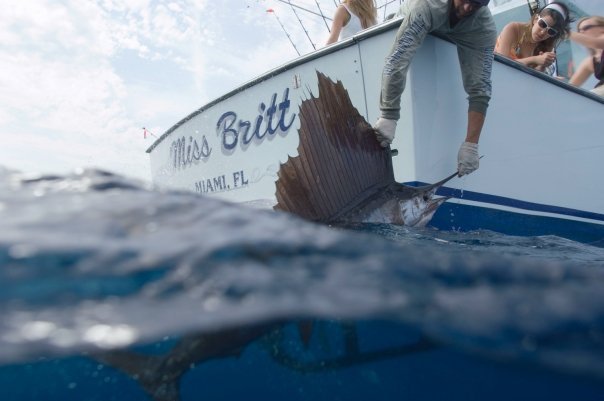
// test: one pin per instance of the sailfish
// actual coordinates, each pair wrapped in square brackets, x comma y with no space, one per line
[160,375]
[342,174]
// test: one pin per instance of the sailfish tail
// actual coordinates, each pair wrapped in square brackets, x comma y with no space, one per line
[147,371]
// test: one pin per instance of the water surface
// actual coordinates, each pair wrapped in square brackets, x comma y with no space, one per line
[108,285]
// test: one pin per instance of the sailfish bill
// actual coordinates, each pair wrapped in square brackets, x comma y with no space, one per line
[342,174]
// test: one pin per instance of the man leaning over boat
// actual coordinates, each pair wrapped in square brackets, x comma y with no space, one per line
[469,24]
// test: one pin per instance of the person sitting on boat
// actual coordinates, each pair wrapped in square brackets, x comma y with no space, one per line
[469,24]
[351,17]
[590,33]
[534,43]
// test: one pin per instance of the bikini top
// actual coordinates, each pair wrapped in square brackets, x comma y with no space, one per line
[514,52]
[599,66]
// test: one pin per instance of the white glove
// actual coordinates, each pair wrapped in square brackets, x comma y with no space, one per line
[384,130]
[467,158]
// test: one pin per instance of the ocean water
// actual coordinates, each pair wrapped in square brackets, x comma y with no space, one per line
[113,290]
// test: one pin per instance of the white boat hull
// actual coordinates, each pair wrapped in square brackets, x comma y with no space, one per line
[542,142]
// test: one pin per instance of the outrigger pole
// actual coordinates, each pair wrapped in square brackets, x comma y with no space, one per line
[270,10]
[323,16]
[302,25]
[385,5]
[305,9]
[319,14]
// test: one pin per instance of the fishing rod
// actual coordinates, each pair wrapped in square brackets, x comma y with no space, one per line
[270,10]
[385,6]
[322,15]
[305,9]
[327,18]
[319,14]
[302,24]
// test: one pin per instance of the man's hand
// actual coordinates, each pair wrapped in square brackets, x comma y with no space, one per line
[384,130]
[467,158]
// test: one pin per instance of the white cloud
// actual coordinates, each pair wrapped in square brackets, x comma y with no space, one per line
[81,79]
[60,91]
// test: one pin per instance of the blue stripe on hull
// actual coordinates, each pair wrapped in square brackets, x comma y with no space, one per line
[454,216]
[515,203]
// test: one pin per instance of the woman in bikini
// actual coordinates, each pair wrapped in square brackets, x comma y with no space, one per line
[534,43]
[590,33]
[351,17]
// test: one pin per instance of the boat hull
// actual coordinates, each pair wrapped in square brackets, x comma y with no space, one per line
[542,141]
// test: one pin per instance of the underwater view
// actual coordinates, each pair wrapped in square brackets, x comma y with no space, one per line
[111,289]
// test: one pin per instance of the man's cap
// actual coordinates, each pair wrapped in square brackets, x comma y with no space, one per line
[481,2]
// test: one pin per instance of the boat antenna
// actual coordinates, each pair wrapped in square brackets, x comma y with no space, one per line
[322,16]
[270,10]
[302,24]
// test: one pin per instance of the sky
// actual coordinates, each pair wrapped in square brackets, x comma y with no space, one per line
[81,78]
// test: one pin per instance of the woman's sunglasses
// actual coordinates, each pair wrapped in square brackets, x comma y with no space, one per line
[588,27]
[543,25]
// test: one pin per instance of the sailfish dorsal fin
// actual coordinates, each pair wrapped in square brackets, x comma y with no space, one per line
[339,162]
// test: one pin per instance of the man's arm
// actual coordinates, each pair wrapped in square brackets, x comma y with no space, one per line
[476,62]
[412,32]
[475,123]
[476,66]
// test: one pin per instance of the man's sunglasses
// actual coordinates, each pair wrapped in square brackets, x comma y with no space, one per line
[543,25]
[474,3]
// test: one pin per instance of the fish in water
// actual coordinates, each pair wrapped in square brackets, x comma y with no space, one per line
[160,375]
[342,174]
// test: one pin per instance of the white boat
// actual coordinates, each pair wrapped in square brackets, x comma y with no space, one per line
[543,140]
